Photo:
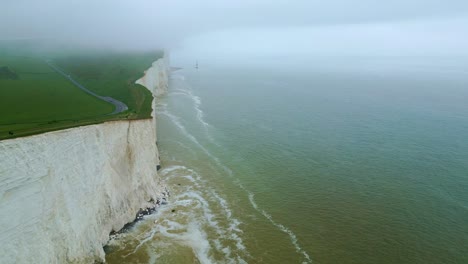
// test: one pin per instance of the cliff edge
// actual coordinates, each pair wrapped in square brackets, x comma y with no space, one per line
[63,192]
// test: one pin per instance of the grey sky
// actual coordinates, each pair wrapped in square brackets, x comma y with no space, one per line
[168,23]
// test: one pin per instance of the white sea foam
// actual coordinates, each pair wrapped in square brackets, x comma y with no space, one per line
[196,102]
[153,257]
[229,231]
[234,223]
[179,92]
[190,178]
[147,238]
[189,234]
[171,169]
[176,121]
[193,237]
[232,231]
[223,203]
[281,227]
[181,84]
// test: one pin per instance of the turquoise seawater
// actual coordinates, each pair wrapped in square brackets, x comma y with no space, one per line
[359,160]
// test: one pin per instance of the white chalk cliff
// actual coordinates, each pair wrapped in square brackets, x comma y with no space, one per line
[155,78]
[63,192]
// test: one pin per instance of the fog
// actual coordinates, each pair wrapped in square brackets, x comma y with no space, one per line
[338,27]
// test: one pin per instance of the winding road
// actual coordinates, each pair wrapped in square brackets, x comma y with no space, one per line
[119,106]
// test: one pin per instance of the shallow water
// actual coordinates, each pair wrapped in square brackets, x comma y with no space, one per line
[361,161]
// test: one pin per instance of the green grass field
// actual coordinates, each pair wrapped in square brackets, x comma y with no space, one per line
[114,74]
[41,100]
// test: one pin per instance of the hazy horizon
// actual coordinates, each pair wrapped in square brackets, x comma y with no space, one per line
[284,131]
[335,27]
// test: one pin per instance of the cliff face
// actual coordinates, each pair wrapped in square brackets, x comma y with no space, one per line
[156,78]
[63,192]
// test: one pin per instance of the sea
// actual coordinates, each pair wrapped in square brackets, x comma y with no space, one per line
[314,160]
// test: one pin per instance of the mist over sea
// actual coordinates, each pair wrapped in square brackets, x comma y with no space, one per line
[293,131]
[325,160]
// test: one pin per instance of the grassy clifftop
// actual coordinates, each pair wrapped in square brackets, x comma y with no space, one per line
[35,99]
[114,74]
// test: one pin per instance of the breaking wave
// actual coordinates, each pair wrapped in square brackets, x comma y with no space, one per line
[198,217]
[183,90]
